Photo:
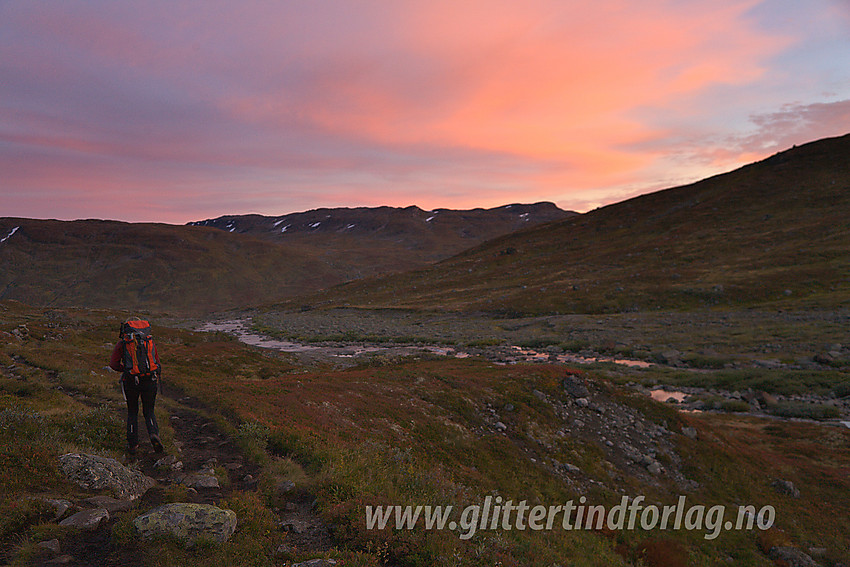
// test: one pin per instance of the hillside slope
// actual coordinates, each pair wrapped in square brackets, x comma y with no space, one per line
[775,230]
[148,266]
[197,269]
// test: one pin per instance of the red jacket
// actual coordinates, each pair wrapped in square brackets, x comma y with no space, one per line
[117,361]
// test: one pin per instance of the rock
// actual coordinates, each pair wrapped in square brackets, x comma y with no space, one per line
[283,549]
[198,480]
[765,399]
[689,432]
[654,467]
[51,545]
[92,472]
[539,395]
[582,402]
[792,557]
[291,527]
[785,487]
[61,560]
[570,468]
[575,387]
[284,487]
[86,520]
[111,505]
[500,426]
[59,505]
[165,462]
[509,407]
[670,356]
[188,522]
[315,563]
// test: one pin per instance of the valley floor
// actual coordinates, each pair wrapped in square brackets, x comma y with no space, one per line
[304,443]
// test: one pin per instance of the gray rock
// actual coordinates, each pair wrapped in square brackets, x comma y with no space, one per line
[51,545]
[284,487]
[670,356]
[86,520]
[500,426]
[689,432]
[92,472]
[166,462]
[582,402]
[792,557]
[785,487]
[570,468]
[654,468]
[201,481]
[315,563]
[111,505]
[575,387]
[188,522]
[60,506]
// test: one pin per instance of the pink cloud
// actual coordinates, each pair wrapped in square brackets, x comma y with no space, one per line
[291,105]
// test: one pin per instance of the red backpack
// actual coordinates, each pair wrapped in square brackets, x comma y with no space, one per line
[139,349]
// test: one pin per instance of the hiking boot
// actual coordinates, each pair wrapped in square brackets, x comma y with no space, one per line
[157,444]
[131,449]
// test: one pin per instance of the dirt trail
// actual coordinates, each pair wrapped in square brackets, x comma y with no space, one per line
[199,444]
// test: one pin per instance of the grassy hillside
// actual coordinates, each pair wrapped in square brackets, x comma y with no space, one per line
[192,269]
[772,233]
[149,266]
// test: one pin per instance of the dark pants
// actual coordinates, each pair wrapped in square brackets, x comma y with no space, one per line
[146,390]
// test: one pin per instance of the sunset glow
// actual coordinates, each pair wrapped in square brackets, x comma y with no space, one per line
[211,108]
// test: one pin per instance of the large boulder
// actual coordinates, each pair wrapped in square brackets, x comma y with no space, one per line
[92,472]
[86,520]
[188,522]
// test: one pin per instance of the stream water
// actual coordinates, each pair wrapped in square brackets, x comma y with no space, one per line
[241,329]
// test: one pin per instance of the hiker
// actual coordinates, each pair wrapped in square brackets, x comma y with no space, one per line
[135,356]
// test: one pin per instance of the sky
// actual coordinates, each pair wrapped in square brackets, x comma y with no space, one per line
[174,111]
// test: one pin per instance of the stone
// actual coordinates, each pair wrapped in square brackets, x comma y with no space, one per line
[792,557]
[60,506]
[284,487]
[188,522]
[670,356]
[61,560]
[575,387]
[570,468]
[165,462]
[51,545]
[500,426]
[785,487]
[111,505]
[201,481]
[654,468]
[315,563]
[689,432]
[582,402]
[93,472]
[88,520]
